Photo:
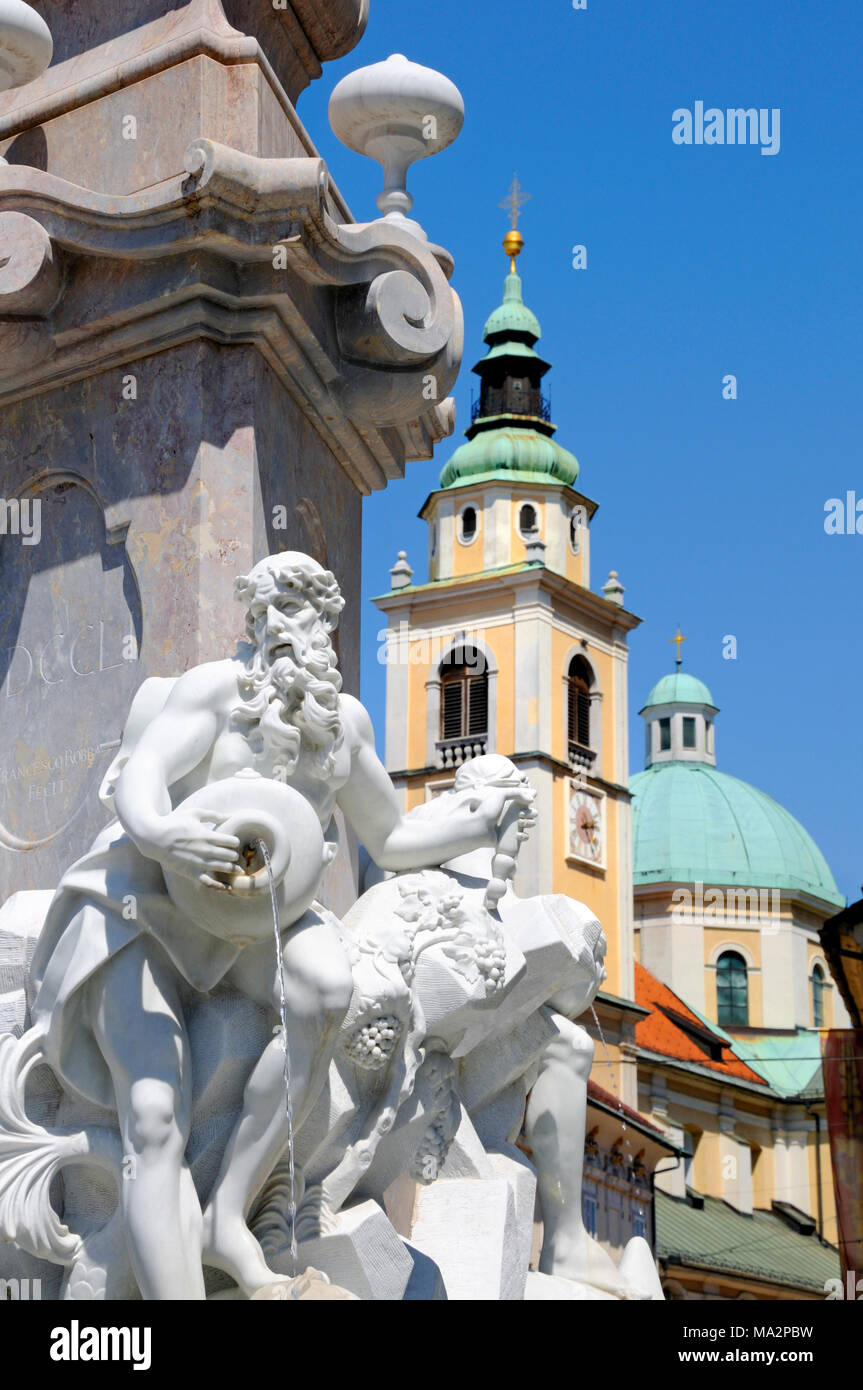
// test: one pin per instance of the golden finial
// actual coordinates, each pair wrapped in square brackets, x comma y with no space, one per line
[513,203]
[679,640]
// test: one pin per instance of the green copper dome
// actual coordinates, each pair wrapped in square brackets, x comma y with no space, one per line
[521,454]
[679,688]
[694,824]
[513,315]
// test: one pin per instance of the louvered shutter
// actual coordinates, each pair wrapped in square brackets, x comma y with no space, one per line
[452,708]
[584,718]
[478,712]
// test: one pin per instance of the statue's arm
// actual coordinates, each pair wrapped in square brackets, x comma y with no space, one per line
[169,748]
[399,842]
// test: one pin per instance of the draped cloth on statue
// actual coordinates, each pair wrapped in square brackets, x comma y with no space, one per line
[108,899]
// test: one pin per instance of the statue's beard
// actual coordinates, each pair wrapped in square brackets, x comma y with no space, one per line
[291,703]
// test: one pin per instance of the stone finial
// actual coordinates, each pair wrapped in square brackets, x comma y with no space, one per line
[396,112]
[401,573]
[26,45]
[535,551]
[613,589]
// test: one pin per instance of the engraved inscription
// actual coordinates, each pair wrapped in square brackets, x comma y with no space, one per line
[69,640]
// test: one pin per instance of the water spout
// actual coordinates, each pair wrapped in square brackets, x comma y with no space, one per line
[283,1009]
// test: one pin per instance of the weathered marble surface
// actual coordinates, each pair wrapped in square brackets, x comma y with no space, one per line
[149,507]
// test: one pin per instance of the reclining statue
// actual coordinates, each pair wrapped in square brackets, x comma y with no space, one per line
[163,937]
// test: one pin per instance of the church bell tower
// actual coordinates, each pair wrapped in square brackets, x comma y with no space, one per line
[506,648]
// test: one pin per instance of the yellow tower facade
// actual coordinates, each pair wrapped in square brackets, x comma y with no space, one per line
[507,649]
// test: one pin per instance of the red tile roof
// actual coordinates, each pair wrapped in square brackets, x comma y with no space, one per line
[600,1094]
[662,1032]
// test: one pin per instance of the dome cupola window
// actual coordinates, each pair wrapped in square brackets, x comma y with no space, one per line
[817,997]
[732,991]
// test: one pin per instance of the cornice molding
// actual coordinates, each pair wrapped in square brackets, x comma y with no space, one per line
[355,323]
[289,44]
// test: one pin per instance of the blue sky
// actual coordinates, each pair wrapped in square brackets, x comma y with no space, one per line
[702,261]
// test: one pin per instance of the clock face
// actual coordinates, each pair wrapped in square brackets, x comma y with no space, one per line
[585,825]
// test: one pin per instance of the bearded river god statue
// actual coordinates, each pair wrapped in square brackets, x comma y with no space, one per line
[162,1136]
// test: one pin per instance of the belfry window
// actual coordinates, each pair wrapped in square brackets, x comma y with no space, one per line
[468,524]
[688,731]
[464,695]
[664,735]
[817,997]
[732,990]
[579,682]
[528,521]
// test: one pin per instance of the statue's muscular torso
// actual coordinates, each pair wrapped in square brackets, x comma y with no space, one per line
[230,750]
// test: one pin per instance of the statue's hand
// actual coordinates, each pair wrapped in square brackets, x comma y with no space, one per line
[487,806]
[188,843]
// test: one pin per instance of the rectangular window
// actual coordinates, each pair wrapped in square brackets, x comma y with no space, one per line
[688,731]
[639,1226]
[464,704]
[588,1212]
[664,735]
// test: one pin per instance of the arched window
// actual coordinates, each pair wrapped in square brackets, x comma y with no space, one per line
[577,523]
[464,694]
[528,521]
[468,524]
[579,681]
[732,990]
[817,997]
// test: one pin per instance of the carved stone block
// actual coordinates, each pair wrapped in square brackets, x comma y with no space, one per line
[363,1254]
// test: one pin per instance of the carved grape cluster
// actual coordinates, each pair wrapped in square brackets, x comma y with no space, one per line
[491,962]
[373,1043]
[432,1153]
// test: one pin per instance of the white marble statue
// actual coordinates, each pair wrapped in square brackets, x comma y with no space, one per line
[416,1027]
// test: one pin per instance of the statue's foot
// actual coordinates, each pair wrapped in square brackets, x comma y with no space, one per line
[230,1246]
[582,1260]
[311,1284]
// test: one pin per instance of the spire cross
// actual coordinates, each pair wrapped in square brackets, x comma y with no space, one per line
[515,201]
[679,640]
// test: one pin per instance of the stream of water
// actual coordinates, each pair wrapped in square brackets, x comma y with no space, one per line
[283,1009]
